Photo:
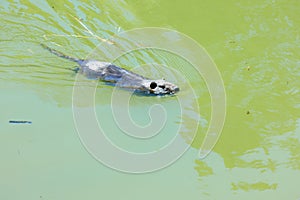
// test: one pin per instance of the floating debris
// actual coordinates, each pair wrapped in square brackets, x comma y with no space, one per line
[19,122]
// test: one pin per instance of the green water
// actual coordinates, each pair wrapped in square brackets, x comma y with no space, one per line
[255,45]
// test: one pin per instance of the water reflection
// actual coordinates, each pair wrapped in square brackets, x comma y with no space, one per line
[260,142]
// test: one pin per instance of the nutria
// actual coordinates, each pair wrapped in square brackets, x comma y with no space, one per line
[121,77]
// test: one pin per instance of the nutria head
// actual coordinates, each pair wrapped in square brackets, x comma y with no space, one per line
[159,87]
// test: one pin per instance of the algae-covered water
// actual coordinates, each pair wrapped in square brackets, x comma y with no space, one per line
[255,46]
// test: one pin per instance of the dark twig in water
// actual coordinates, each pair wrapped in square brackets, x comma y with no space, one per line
[19,122]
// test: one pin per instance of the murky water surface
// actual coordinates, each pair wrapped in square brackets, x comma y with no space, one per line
[255,45]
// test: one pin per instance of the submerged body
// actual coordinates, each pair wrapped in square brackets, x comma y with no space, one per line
[121,77]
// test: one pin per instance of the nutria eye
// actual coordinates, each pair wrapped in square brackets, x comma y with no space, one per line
[153,85]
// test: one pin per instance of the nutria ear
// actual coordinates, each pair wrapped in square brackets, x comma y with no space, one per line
[153,85]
